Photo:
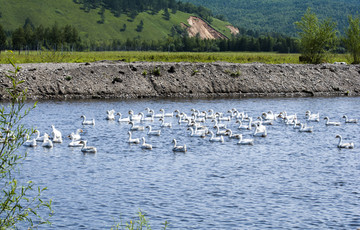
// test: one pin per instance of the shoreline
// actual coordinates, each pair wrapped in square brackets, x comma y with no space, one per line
[122,80]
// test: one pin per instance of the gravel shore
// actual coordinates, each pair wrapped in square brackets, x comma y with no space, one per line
[116,79]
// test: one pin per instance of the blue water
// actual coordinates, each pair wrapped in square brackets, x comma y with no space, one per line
[287,180]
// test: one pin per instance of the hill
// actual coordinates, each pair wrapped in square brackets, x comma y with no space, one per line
[279,15]
[97,23]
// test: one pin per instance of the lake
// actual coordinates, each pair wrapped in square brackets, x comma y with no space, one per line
[286,180]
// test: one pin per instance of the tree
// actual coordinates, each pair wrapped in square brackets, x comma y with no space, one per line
[316,38]
[166,14]
[140,27]
[18,38]
[2,38]
[16,206]
[352,38]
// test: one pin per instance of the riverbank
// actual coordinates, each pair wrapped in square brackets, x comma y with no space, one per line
[117,79]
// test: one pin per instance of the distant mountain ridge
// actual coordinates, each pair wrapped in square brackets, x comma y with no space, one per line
[279,15]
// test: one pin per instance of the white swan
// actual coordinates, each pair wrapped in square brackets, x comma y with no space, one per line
[312,117]
[216,139]
[153,132]
[244,126]
[133,141]
[268,116]
[125,119]
[75,143]
[344,145]
[143,118]
[30,143]
[178,148]
[211,115]
[305,128]
[220,125]
[265,122]
[331,123]
[232,135]
[136,127]
[350,120]
[56,134]
[149,112]
[159,115]
[193,134]
[47,143]
[145,145]
[76,136]
[166,114]
[220,132]
[260,131]
[110,115]
[245,141]
[163,124]
[87,149]
[134,117]
[85,122]
[38,137]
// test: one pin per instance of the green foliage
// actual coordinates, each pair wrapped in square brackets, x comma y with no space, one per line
[140,27]
[141,223]
[316,38]
[2,38]
[144,73]
[352,38]
[68,78]
[194,72]
[17,207]
[156,71]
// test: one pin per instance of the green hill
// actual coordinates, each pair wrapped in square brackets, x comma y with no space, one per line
[279,15]
[65,12]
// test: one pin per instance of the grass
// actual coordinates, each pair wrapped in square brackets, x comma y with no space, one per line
[132,56]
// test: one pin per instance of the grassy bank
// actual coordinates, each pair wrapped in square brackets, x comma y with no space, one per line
[131,56]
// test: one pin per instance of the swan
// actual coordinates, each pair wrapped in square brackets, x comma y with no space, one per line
[87,149]
[134,117]
[136,127]
[56,134]
[245,141]
[216,139]
[297,126]
[331,123]
[30,143]
[85,122]
[153,132]
[218,124]
[350,120]
[220,118]
[133,141]
[74,142]
[260,131]
[211,115]
[150,112]
[305,128]
[47,143]
[57,139]
[265,122]
[178,148]
[143,118]
[163,124]
[166,114]
[243,126]
[194,134]
[268,116]
[159,115]
[144,145]
[344,145]
[38,137]
[110,115]
[220,132]
[76,136]
[231,135]
[125,119]
[312,117]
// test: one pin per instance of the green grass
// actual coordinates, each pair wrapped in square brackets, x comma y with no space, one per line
[132,56]
[66,12]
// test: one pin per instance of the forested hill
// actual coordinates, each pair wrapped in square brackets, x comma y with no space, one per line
[279,15]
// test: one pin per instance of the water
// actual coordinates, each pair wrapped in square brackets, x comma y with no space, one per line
[287,180]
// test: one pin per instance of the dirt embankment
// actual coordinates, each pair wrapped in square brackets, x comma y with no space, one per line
[108,79]
[205,31]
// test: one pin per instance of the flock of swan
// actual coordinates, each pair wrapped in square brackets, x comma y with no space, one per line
[203,124]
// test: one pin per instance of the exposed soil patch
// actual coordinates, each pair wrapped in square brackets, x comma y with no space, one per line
[233,30]
[108,79]
[205,31]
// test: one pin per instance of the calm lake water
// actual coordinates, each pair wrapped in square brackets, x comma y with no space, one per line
[284,181]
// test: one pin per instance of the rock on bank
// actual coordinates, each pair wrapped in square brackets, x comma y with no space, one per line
[116,79]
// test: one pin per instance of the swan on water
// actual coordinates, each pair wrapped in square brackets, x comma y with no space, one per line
[331,123]
[232,135]
[87,149]
[76,136]
[145,145]
[245,141]
[75,143]
[30,143]
[163,124]
[57,137]
[220,125]
[133,141]
[38,137]
[134,117]
[244,126]
[87,122]
[153,132]
[344,145]
[260,131]
[215,139]
[305,128]
[312,117]
[47,143]
[125,119]
[350,120]
[110,115]
[136,127]
[220,132]
[143,118]
[166,114]
[265,122]
[194,134]
[178,148]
